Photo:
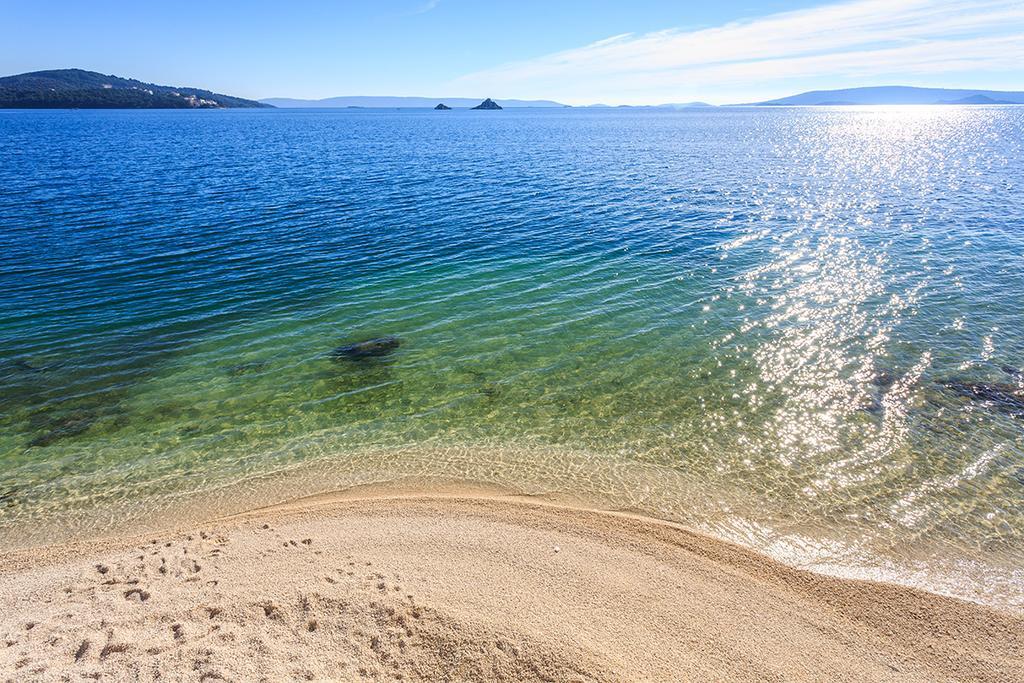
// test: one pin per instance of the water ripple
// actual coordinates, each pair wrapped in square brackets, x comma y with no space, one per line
[797,329]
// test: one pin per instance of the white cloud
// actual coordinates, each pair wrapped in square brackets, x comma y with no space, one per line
[863,39]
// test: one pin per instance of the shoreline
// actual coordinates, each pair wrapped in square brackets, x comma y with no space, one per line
[831,550]
[471,582]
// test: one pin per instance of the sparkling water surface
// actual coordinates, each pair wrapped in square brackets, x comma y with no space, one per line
[799,329]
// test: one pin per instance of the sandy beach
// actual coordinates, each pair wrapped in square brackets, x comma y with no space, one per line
[470,585]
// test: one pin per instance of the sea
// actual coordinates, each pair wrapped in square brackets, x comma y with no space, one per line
[796,329]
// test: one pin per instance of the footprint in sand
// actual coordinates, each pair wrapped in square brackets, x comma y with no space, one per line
[112,648]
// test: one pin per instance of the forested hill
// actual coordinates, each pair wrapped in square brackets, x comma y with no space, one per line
[76,88]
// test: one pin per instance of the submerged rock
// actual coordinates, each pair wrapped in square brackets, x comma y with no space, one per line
[64,428]
[1013,372]
[873,406]
[487,388]
[442,107]
[488,104]
[1006,398]
[22,366]
[247,368]
[884,379]
[371,348]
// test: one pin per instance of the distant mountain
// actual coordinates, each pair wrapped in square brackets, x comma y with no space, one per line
[978,99]
[898,94]
[385,102]
[670,105]
[75,88]
[685,105]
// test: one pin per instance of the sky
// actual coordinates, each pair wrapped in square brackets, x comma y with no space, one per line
[572,51]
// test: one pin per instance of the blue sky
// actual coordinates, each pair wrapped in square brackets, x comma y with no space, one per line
[578,52]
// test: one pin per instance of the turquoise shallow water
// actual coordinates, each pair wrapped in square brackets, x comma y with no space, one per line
[799,329]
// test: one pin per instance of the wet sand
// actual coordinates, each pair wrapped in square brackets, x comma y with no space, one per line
[469,585]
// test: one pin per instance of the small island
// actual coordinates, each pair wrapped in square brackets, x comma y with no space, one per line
[442,107]
[488,104]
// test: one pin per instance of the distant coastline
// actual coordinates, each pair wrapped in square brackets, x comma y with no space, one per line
[389,102]
[872,95]
[894,94]
[81,89]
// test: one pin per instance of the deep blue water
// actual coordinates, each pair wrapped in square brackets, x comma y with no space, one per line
[799,329]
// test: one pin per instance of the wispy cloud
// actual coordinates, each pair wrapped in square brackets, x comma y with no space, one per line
[426,7]
[864,39]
